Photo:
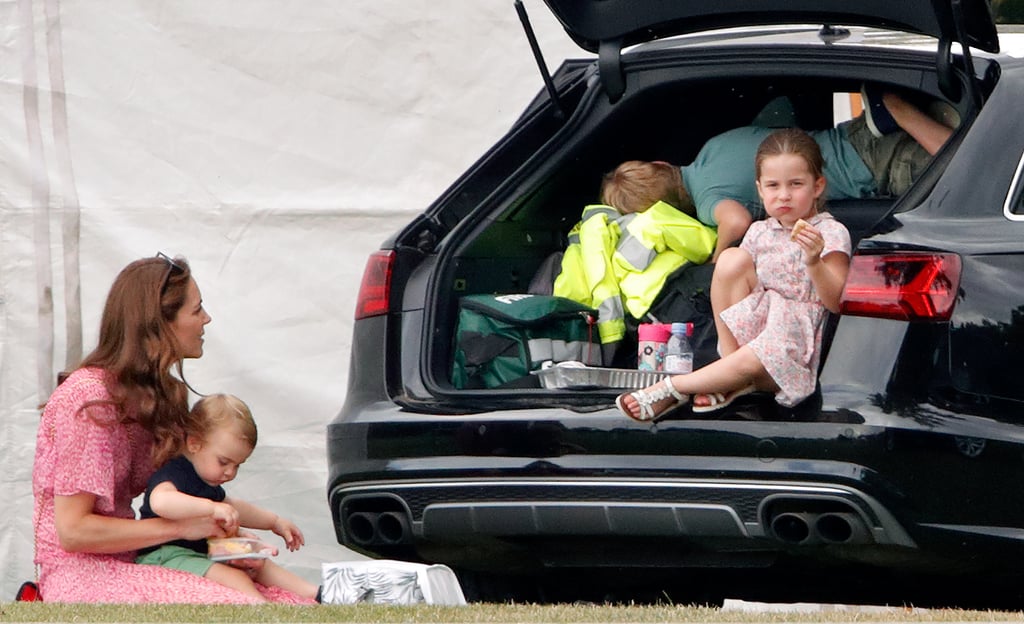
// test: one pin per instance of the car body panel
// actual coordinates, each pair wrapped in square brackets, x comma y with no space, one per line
[911,446]
[590,22]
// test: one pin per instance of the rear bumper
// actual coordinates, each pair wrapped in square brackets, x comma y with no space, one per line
[547,489]
[779,514]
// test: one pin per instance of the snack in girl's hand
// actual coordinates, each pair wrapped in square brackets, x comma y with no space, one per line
[797,227]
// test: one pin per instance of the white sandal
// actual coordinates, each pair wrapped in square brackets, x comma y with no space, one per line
[647,399]
[718,400]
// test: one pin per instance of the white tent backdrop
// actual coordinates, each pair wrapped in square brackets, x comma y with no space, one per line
[272,144]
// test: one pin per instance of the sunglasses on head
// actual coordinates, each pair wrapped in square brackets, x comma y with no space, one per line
[173,266]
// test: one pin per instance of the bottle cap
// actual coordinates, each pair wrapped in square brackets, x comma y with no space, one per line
[680,328]
[655,332]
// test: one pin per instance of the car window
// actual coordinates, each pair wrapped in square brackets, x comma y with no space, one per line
[1008,11]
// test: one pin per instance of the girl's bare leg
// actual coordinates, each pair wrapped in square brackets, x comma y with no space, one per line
[234,578]
[734,278]
[737,370]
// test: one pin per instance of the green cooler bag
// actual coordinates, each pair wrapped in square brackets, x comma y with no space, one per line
[501,338]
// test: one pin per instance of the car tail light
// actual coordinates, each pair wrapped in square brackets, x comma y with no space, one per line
[375,289]
[906,286]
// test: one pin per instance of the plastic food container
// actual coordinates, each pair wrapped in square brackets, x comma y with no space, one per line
[576,375]
[226,548]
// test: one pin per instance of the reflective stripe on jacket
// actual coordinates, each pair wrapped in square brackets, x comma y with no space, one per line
[587,274]
[653,244]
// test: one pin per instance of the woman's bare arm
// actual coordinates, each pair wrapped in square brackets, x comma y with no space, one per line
[79,529]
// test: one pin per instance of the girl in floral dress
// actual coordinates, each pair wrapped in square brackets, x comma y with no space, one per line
[94,450]
[771,294]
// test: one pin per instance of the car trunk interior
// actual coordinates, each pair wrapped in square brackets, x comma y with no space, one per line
[667,121]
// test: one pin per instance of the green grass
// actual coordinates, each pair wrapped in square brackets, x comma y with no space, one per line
[44,612]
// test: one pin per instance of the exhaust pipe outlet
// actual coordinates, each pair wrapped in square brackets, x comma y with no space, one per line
[792,528]
[841,528]
[393,527]
[362,527]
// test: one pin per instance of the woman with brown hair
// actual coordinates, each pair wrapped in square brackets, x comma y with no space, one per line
[95,449]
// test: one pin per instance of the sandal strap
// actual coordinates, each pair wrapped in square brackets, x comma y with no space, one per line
[647,398]
[646,401]
[657,392]
[715,398]
[672,390]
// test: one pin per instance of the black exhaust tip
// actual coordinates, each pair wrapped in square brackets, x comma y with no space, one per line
[792,528]
[362,527]
[393,527]
[842,528]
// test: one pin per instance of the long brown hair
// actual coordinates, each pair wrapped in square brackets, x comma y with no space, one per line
[137,347]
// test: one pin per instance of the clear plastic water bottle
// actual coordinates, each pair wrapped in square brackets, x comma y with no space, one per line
[679,354]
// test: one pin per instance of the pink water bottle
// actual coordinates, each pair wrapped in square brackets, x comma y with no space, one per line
[653,339]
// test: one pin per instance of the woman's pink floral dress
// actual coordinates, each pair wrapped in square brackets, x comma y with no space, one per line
[782,319]
[91,452]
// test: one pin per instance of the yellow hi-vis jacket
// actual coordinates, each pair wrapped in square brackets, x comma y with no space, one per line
[619,263]
[587,274]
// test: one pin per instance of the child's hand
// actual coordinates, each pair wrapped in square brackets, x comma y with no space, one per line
[227,517]
[288,531]
[810,240]
[200,527]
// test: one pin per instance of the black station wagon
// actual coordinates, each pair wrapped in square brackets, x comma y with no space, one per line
[901,479]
